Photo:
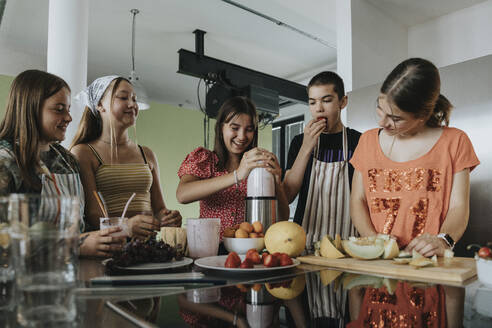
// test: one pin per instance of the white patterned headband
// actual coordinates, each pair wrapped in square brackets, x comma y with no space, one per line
[92,95]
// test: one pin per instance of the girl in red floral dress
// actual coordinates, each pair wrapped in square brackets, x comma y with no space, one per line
[218,178]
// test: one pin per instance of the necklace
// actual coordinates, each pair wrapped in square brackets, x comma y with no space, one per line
[391,147]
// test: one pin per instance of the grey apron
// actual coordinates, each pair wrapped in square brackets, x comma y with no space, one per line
[327,212]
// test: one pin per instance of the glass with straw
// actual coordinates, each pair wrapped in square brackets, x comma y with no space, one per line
[109,222]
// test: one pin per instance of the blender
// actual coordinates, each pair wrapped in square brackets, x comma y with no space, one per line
[261,203]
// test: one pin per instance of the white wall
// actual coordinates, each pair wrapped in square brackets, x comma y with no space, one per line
[379,43]
[369,43]
[361,108]
[468,86]
[14,61]
[453,38]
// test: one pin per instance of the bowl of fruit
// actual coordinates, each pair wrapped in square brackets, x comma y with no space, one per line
[483,259]
[244,237]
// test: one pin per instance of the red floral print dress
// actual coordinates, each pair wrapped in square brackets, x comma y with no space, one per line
[228,205]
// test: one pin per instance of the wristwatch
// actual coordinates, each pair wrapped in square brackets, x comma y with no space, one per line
[448,239]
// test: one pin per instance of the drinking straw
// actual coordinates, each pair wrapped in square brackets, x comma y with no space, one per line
[127,204]
[102,201]
[101,206]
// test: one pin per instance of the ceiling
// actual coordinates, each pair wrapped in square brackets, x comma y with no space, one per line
[233,35]
[165,26]
[413,12]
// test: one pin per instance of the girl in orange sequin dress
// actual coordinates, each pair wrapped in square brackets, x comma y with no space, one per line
[412,174]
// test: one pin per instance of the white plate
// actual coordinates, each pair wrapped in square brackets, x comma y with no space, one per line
[217,263]
[155,266]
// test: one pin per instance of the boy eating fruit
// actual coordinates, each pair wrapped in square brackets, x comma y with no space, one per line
[317,163]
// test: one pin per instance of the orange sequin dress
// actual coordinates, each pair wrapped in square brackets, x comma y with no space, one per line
[407,307]
[407,199]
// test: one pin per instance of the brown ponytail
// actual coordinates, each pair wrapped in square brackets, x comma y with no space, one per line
[442,112]
[414,86]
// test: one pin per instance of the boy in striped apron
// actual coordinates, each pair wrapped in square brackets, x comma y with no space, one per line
[318,171]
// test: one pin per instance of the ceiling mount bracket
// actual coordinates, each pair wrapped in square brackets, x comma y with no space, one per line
[199,42]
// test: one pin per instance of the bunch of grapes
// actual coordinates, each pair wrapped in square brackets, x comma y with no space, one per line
[145,251]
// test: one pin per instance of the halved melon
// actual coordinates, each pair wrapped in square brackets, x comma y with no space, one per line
[391,249]
[327,249]
[364,248]
[383,236]
[338,242]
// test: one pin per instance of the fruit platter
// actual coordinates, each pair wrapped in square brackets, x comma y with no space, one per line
[247,263]
[150,254]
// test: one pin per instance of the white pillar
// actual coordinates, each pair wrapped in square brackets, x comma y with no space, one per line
[344,42]
[67,50]
[344,48]
[369,45]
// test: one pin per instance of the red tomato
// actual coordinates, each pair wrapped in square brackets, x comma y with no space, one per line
[484,252]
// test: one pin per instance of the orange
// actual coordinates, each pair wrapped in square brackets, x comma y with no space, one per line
[246,226]
[229,232]
[240,233]
[257,226]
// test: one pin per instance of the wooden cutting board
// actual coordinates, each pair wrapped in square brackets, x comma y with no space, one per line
[459,270]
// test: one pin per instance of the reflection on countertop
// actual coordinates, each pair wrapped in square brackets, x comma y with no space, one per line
[308,296]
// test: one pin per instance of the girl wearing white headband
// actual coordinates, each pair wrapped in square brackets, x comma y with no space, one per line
[114,165]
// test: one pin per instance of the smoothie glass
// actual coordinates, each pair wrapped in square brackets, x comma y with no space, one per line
[203,237]
[105,223]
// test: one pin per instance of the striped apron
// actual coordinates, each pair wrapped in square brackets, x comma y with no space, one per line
[327,212]
[54,185]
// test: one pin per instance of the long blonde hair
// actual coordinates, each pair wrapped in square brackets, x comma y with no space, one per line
[21,123]
[91,125]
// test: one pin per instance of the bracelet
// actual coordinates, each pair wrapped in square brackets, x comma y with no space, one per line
[447,239]
[235,178]
[234,321]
